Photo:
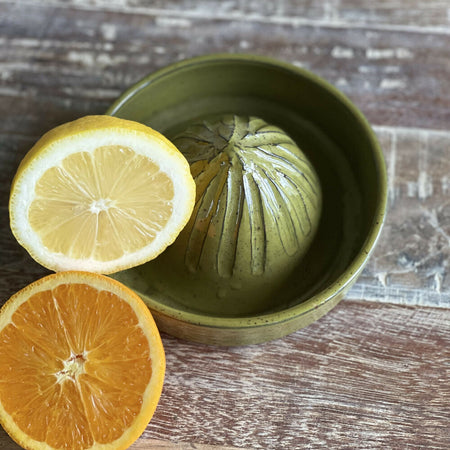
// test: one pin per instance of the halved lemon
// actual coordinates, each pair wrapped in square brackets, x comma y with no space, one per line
[100,194]
[82,364]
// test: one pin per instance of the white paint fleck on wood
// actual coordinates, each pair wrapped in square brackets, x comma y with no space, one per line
[391,83]
[404,53]
[342,52]
[438,282]
[173,22]
[342,82]
[382,276]
[411,188]
[385,53]
[109,31]
[445,184]
[392,69]
[433,219]
[424,182]
[391,163]
[424,185]
[159,50]
[244,44]
[86,58]
[388,53]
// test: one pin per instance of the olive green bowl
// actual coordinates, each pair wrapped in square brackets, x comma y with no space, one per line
[337,140]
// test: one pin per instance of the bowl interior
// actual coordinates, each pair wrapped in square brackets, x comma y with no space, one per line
[323,123]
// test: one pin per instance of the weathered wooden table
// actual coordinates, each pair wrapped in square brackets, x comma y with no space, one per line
[373,373]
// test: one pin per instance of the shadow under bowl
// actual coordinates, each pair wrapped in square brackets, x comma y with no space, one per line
[335,137]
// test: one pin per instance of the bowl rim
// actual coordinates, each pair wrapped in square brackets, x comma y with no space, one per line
[347,278]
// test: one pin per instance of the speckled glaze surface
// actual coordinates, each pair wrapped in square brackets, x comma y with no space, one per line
[236,291]
[257,210]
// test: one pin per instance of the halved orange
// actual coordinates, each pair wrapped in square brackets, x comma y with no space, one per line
[100,194]
[81,364]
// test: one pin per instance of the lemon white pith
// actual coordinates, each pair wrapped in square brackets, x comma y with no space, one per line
[100,194]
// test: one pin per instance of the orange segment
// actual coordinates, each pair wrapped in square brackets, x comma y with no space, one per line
[82,363]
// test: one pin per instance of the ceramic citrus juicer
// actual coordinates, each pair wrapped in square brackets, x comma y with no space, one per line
[291,197]
[257,211]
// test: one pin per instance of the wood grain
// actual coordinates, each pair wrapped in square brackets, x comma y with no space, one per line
[364,376]
[410,263]
[432,14]
[82,65]
[372,374]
